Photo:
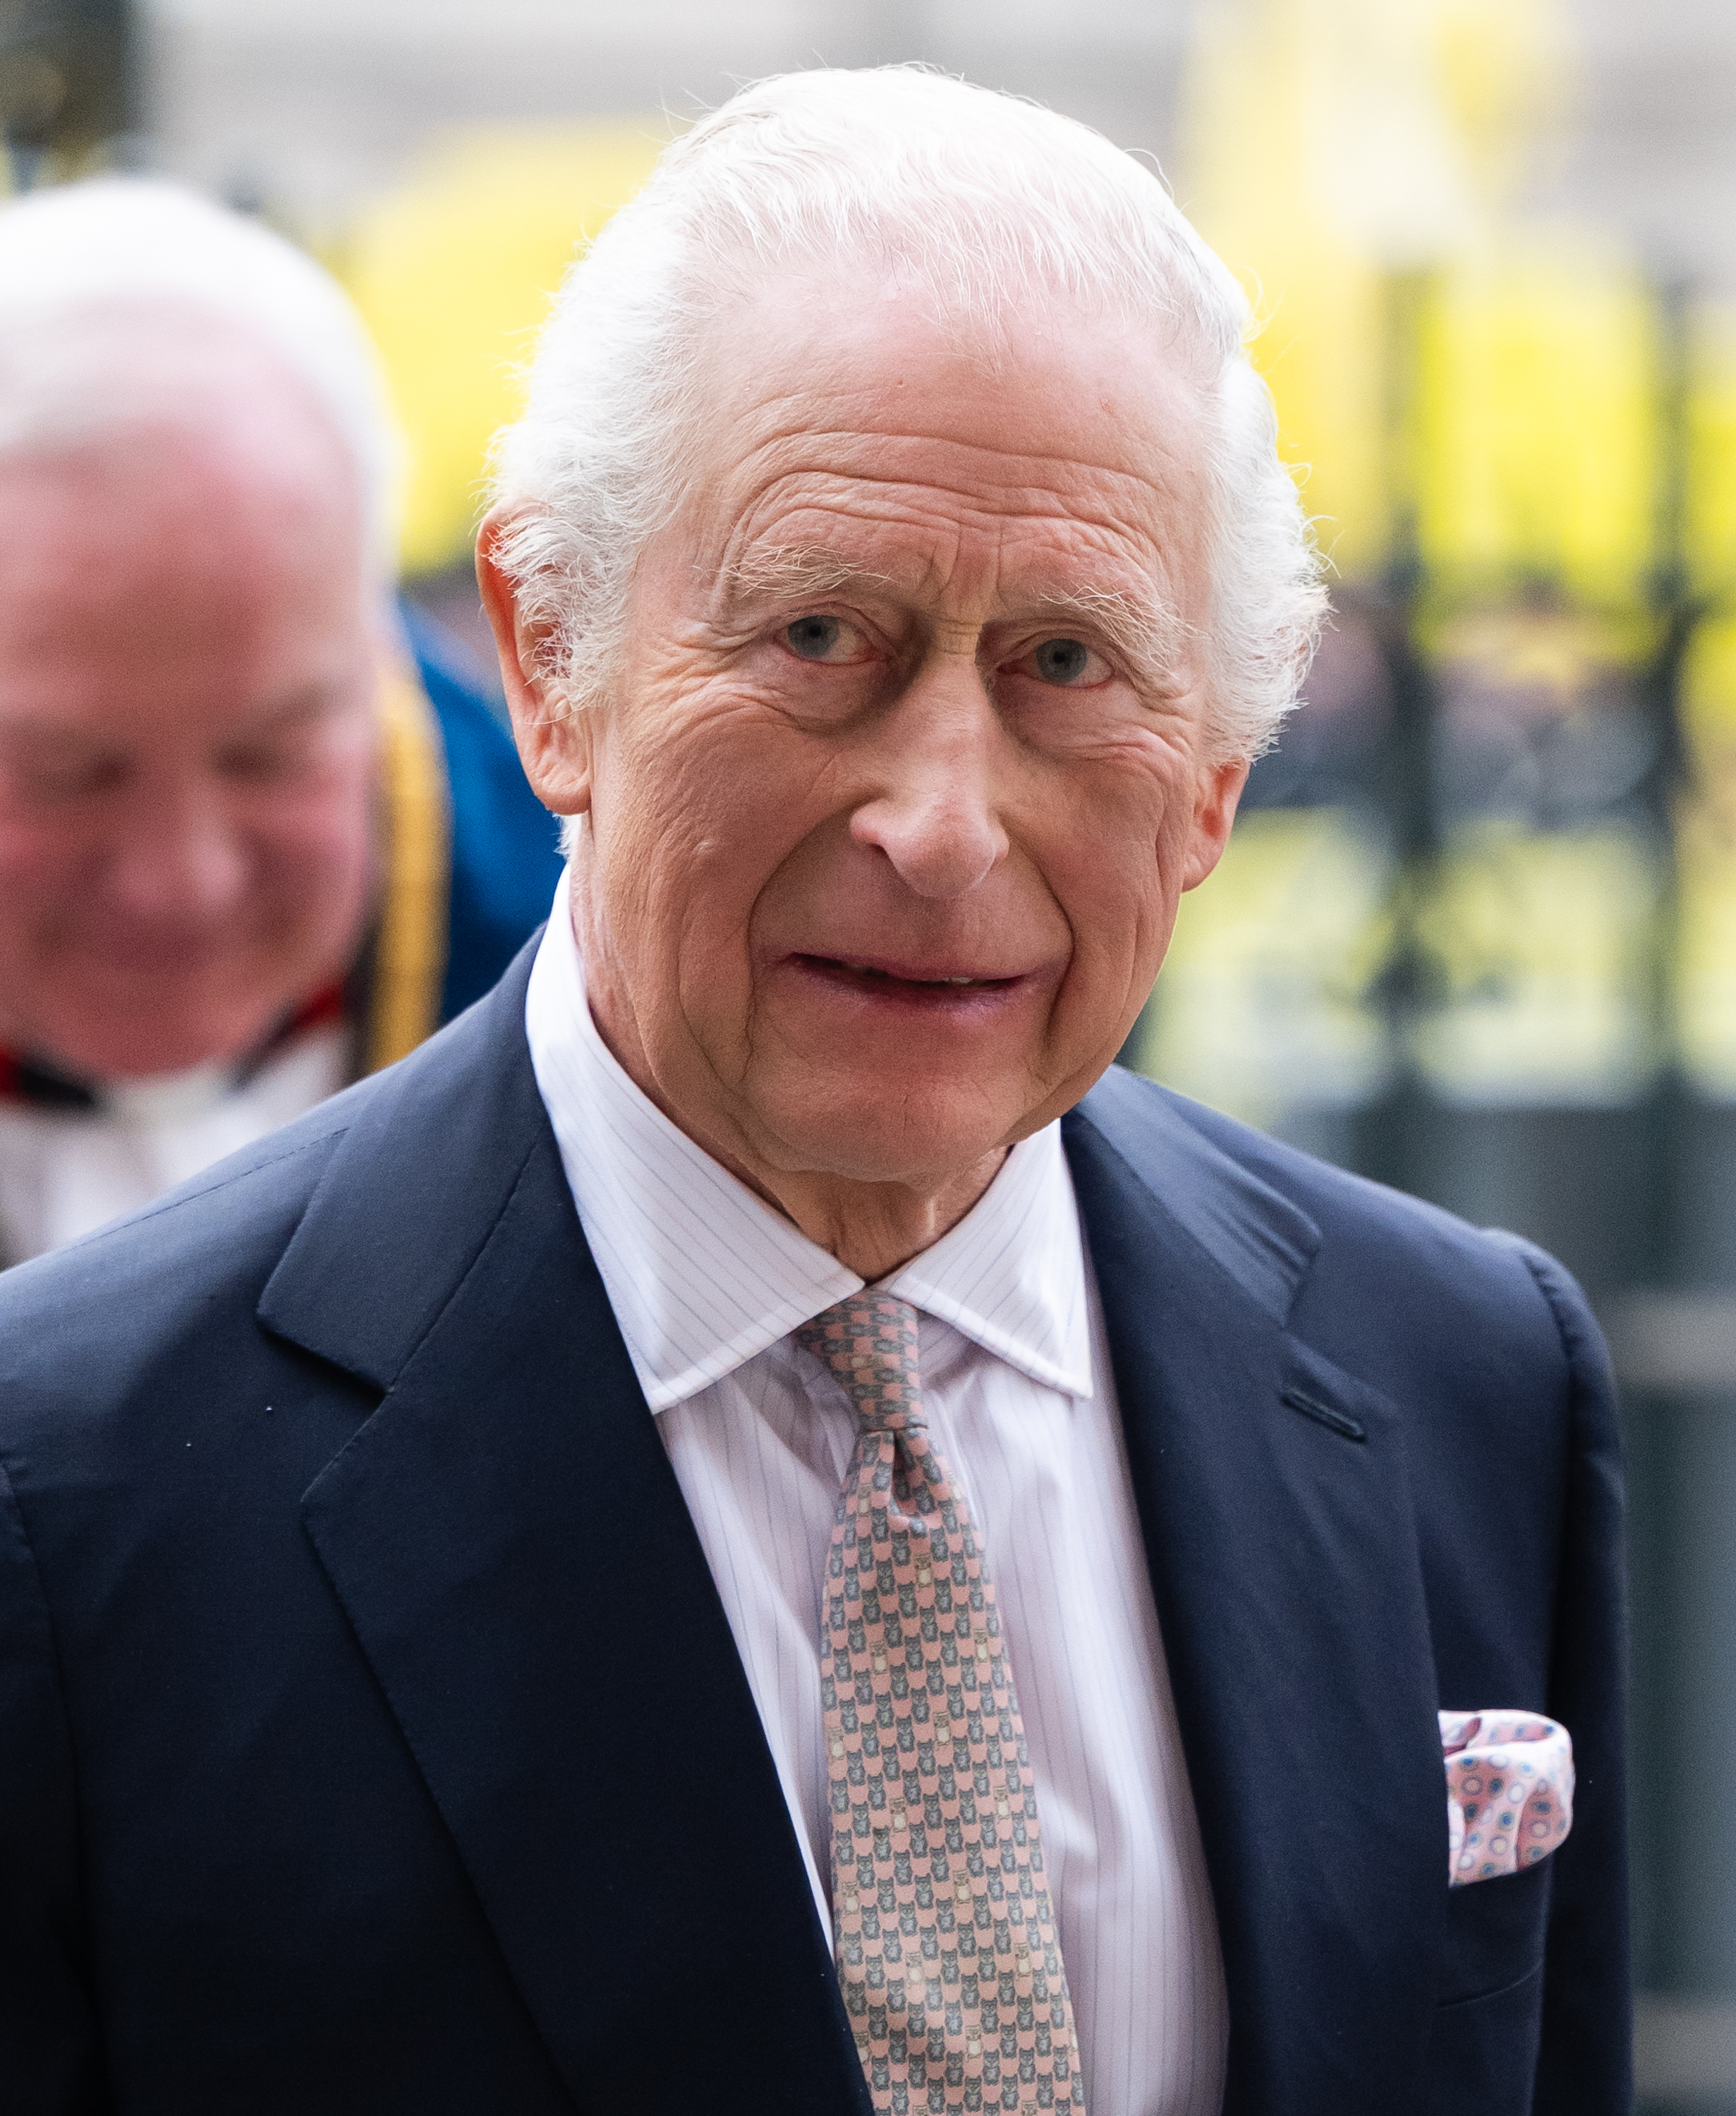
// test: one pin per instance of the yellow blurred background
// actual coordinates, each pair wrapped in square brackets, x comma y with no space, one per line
[452,271]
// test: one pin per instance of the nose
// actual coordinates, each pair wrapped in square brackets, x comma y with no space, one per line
[181,859]
[935,817]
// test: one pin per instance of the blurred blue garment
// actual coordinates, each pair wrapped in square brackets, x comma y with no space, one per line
[505,846]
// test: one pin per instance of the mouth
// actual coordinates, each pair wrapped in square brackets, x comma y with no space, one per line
[924,982]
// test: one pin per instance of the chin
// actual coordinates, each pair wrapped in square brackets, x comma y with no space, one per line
[166,1040]
[882,1131]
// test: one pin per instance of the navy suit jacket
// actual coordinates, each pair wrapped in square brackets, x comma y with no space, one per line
[353,1626]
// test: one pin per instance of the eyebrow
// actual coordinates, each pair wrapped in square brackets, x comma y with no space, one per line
[791,570]
[309,703]
[1150,634]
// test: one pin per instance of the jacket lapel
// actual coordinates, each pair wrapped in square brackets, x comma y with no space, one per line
[511,1546]
[1272,1494]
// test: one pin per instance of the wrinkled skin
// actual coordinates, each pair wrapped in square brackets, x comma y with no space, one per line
[188,662]
[912,694]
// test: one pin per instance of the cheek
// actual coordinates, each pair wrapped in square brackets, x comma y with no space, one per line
[690,829]
[1115,859]
[33,853]
[44,873]
[311,852]
[1122,840]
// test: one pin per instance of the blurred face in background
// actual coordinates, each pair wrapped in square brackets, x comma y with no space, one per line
[187,671]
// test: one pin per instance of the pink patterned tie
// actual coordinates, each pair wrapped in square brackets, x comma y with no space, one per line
[946,1941]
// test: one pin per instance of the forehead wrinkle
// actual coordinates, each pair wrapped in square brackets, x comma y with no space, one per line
[947,520]
[991,480]
[788,425]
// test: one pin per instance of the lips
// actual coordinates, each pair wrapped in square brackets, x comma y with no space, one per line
[902,979]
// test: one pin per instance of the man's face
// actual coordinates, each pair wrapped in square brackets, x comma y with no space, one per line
[186,673]
[902,776]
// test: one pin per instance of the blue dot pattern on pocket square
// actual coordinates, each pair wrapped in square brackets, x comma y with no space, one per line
[1509,1792]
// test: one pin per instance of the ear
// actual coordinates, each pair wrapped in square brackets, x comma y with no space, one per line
[1216,792]
[555,743]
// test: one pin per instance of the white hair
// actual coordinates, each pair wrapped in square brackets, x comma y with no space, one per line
[978,198]
[91,270]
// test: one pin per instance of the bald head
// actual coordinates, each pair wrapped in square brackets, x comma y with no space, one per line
[83,382]
[117,290]
[180,454]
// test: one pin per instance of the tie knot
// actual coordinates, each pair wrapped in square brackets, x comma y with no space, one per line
[869,1341]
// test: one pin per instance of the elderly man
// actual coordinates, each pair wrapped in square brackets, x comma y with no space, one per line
[754,1530]
[248,848]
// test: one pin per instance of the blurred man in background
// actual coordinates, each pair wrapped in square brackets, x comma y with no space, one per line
[257,836]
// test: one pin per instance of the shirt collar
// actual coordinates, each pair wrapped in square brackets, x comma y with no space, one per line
[703,1275]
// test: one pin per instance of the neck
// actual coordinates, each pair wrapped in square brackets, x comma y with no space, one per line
[870,1227]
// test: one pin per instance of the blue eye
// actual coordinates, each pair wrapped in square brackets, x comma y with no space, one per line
[1061,660]
[813,638]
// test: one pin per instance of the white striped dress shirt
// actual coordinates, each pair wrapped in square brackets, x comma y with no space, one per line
[708,1282]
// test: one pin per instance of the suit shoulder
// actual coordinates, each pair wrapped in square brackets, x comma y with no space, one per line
[208,1242]
[193,1265]
[182,1260]
[1371,1234]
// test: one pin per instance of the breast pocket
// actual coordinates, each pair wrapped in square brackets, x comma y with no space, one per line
[1489,2013]
[1495,1934]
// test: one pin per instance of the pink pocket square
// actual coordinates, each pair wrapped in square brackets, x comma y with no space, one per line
[1509,1792]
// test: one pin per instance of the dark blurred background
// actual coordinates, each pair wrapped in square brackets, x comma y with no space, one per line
[1475,935]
